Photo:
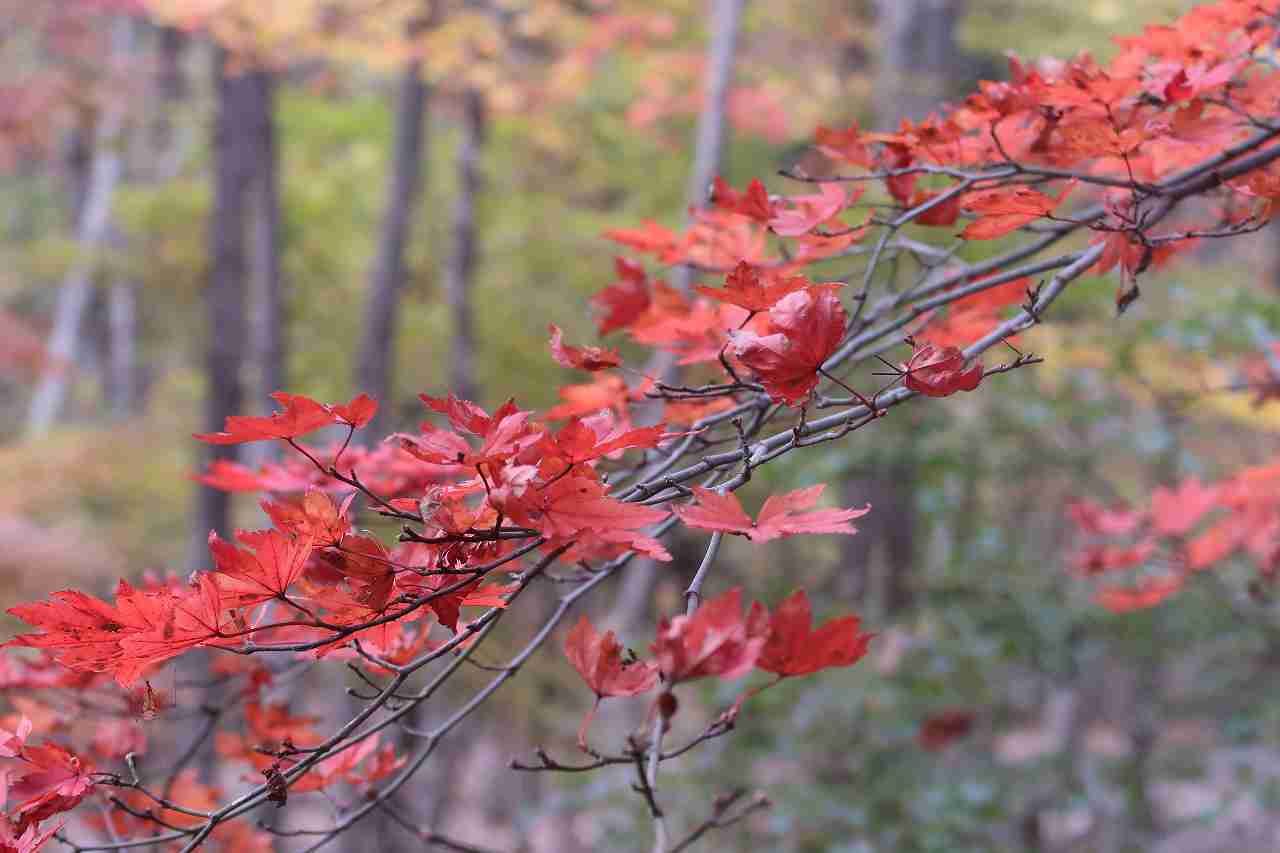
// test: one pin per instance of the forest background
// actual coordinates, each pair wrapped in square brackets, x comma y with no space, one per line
[1001,707]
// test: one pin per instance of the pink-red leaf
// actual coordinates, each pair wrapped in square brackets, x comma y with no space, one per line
[805,328]
[940,371]
[794,649]
[581,358]
[717,640]
[781,515]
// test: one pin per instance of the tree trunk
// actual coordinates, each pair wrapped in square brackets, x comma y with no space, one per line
[374,362]
[461,268]
[122,344]
[234,145]
[726,23]
[78,168]
[386,281]
[921,60]
[155,156]
[268,325]
[76,293]
[879,561]
[170,89]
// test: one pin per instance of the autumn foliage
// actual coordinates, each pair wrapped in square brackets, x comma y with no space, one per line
[1076,167]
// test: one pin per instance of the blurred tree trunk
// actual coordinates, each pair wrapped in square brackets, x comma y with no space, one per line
[268,325]
[921,60]
[171,89]
[157,155]
[373,373]
[91,203]
[726,25]
[374,362]
[462,262]
[122,348]
[880,560]
[234,157]
[722,49]
[78,167]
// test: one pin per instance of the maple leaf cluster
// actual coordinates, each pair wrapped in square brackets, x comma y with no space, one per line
[718,641]
[37,782]
[1186,528]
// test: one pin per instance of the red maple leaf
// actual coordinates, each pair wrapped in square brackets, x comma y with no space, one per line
[572,505]
[1001,211]
[1144,595]
[465,415]
[608,391]
[844,145]
[273,561]
[1175,511]
[716,640]
[43,781]
[358,412]
[339,768]
[176,623]
[940,371]
[1092,517]
[367,568]
[945,728]
[140,629]
[577,441]
[747,288]
[448,607]
[11,742]
[299,416]
[33,839]
[781,515]
[809,211]
[505,434]
[805,328]
[1100,559]
[623,302]
[315,515]
[794,649]
[598,659]
[943,213]
[581,358]
[1216,544]
[650,238]
[753,203]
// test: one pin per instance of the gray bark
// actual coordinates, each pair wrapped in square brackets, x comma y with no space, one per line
[879,562]
[170,85]
[234,155]
[461,267]
[76,293]
[269,326]
[921,60]
[155,155]
[373,373]
[726,22]
[122,342]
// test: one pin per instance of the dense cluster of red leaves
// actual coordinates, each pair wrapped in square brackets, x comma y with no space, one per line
[1187,528]
[489,501]
[716,640]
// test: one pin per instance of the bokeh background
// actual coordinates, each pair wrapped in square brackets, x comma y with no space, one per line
[1000,709]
